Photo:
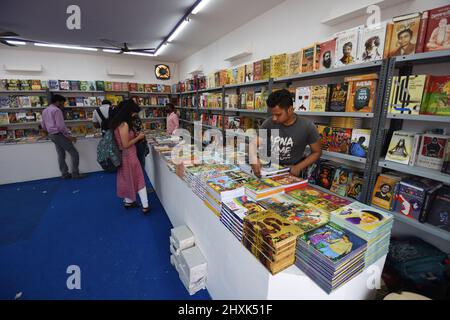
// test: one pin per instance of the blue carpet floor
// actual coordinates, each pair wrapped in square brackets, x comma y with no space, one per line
[48,225]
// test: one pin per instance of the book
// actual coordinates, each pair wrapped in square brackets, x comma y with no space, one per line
[401,147]
[100,85]
[258,70]
[436,99]
[224,187]
[262,188]
[53,84]
[438,29]
[360,142]
[404,34]
[421,38]
[266,72]
[416,148]
[36,85]
[64,85]
[74,85]
[432,151]
[326,175]
[302,99]
[327,54]
[25,85]
[372,43]
[294,63]
[24,101]
[340,140]
[354,189]
[361,93]
[4,118]
[347,45]
[338,97]
[342,177]
[278,65]
[383,193]
[319,98]
[407,94]
[13,85]
[249,72]
[439,214]
[289,182]
[241,74]
[250,100]
[308,56]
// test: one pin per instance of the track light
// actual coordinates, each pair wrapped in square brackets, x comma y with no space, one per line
[64,46]
[178,30]
[200,6]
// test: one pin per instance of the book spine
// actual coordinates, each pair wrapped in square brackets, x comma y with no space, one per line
[387,43]
[424,102]
[430,196]
[422,32]
[415,149]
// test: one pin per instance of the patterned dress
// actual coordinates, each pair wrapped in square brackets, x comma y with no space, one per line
[130,178]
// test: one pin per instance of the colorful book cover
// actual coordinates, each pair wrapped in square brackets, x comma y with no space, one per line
[13,85]
[361,93]
[250,100]
[261,185]
[44,85]
[223,183]
[372,43]
[407,94]
[84,86]
[333,242]
[438,29]
[341,180]
[325,133]
[319,98]
[360,142]
[25,85]
[308,56]
[326,175]
[383,193]
[4,118]
[347,45]
[64,85]
[401,147]
[100,85]
[405,35]
[258,70]
[243,206]
[74,85]
[294,63]
[241,74]
[266,72]
[278,65]
[437,96]
[432,151]
[338,97]
[327,54]
[3,84]
[362,217]
[340,140]
[302,99]
[36,85]
[355,187]
[249,72]
[421,38]
[288,180]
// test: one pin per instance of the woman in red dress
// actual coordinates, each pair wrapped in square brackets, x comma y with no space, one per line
[130,177]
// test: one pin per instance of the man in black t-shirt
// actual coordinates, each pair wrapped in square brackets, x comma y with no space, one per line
[294,134]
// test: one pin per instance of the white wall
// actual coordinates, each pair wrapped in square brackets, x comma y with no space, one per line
[287,28]
[73,65]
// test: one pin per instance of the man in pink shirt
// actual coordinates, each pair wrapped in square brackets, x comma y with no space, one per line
[53,123]
[173,123]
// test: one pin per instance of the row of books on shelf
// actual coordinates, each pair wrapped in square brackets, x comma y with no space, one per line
[341,180]
[36,116]
[151,101]
[354,142]
[282,220]
[427,150]
[421,199]
[230,123]
[420,94]
[152,113]
[404,35]
[77,85]
[355,94]
[23,101]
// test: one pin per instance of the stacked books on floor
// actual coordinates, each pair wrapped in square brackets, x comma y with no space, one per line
[331,256]
[235,210]
[370,224]
[187,259]
[271,239]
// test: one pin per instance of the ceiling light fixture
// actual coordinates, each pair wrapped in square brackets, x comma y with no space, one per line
[17,43]
[161,49]
[177,31]
[140,54]
[200,6]
[110,50]
[64,46]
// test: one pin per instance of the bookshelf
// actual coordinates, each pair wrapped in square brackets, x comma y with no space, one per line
[335,155]
[337,114]
[420,117]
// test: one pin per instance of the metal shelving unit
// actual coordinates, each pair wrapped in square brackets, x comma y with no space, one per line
[335,155]
[24,91]
[415,170]
[21,109]
[338,114]
[419,117]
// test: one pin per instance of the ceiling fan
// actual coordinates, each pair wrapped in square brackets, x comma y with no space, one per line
[124,47]
[6,36]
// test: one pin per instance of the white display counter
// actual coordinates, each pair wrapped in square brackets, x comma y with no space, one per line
[233,272]
[33,161]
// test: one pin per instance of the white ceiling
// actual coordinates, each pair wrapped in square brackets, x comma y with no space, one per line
[141,23]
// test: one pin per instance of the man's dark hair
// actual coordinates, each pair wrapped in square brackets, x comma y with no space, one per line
[281,98]
[58,98]
[403,31]
[107,102]
[124,114]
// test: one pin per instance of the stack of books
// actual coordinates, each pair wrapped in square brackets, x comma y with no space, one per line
[235,210]
[330,256]
[368,223]
[222,188]
[263,188]
[187,259]
[302,215]
[323,201]
[271,239]
[289,182]
[267,170]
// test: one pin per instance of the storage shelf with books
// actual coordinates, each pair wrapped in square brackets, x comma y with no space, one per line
[148,93]
[21,109]
[419,117]
[335,155]
[415,170]
[75,91]
[247,111]
[5,92]
[188,92]
[428,228]
[248,84]
[210,90]
[203,110]
[338,114]
[425,57]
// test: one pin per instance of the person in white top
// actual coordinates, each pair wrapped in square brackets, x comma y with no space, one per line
[105,110]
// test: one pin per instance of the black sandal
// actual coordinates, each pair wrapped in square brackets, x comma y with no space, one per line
[146,210]
[131,205]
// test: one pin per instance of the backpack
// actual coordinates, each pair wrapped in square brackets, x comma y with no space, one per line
[105,121]
[108,154]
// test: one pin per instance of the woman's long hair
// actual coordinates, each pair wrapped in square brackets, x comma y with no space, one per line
[124,113]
